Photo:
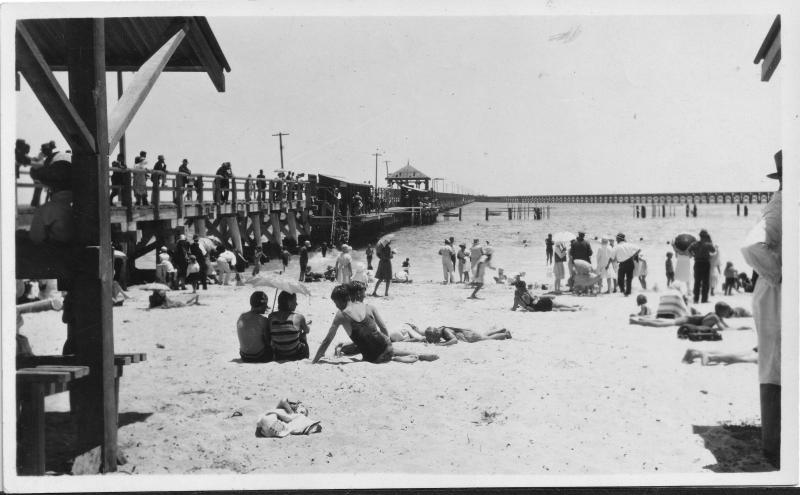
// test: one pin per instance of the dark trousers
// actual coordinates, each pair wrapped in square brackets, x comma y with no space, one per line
[771,422]
[369,262]
[670,278]
[203,275]
[303,271]
[702,272]
[625,276]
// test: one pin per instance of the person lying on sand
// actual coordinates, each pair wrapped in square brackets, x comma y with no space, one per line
[714,357]
[709,320]
[452,335]
[367,331]
[528,302]
[159,299]
[724,310]
[408,333]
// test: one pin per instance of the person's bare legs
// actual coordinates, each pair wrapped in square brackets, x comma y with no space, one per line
[375,290]
[501,334]
[386,292]
[410,357]
[414,333]
[713,357]
[654,322]
[478,287]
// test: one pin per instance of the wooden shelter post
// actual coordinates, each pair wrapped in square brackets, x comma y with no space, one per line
[93,329]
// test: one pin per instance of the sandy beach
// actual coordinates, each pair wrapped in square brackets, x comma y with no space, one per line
[571,393]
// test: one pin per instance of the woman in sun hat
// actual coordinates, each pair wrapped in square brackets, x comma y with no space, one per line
[344,265]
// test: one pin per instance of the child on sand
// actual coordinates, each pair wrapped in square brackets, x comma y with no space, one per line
[669,269]
[644,310]
[730,278]
[724,310]
[193,273]
[367,331]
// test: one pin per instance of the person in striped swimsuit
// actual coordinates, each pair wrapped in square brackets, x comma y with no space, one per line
[288,330]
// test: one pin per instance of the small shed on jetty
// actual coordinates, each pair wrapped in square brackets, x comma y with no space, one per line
[338,191]
[408,176]
[87,48]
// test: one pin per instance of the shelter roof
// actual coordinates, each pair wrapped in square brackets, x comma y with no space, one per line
[130,41]
[407,173]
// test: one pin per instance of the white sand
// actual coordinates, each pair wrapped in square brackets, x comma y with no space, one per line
[571,393]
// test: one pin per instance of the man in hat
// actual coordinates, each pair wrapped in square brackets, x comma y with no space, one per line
[764,255]
[158,178]
[581,249]
[261,183]
[252,328]
[202,259]
[182,181]
[118,178]
[182,253]
[623,255]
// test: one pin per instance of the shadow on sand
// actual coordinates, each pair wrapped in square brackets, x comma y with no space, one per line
[737,448]
[63,446]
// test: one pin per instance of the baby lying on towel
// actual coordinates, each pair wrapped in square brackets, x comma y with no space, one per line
[287,418]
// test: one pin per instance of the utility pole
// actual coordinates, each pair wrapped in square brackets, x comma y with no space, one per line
[376,155]
[280,141]
[386,162]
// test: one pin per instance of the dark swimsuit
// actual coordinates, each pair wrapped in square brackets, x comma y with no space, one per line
[375,347]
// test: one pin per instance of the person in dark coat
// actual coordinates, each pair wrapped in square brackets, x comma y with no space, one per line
[118,178]
[224,172]
[702,250]
[183,181]
[202,260]
[262,185]
[304,259]
[181,259]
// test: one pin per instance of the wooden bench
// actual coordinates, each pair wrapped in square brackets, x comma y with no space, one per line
[38,377]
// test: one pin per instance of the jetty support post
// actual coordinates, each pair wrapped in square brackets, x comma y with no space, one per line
[487,214]
[509,213]
[459,214]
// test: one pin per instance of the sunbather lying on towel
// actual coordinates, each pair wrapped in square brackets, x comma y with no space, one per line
[452,335]
[528,302]
[709,320]
[159,299]
[714,357]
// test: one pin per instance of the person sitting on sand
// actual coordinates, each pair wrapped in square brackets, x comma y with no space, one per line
[252,329]
[367,331]
[724,310]
[401,277]
[714,357]
[528,302]
[501,277]
[452,335]
[159,299]
[288,330]
[644,309]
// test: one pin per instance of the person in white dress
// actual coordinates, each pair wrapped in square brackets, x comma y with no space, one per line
[605,271]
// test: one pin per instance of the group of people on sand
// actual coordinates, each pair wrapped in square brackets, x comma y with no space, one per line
[471,264]
[282,336]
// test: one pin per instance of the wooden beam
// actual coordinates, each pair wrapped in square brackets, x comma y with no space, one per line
[32,65]
[140,87]
[206,56]
[772,58]
[92,327]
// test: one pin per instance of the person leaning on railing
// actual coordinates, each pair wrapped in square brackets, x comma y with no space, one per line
[183,181]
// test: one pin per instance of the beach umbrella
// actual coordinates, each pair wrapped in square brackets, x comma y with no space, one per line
[155,286]
[385,239]
[683,241]
[563,237]
[209,243]
[279,282]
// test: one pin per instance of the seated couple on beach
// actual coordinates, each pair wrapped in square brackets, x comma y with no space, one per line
[528,302]
[279,337]
[365,328]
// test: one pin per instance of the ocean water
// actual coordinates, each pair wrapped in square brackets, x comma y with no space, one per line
[421,244]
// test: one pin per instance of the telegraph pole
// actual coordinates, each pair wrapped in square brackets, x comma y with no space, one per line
[280,141]
[376,155]
[386,162]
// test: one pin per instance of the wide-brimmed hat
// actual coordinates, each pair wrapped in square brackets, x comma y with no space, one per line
[778,174]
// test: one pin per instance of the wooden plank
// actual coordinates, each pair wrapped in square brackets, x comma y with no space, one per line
[206,56]
[27,375]
[75,372]
[93,325]
[34,68]
[772,58]
[140,87]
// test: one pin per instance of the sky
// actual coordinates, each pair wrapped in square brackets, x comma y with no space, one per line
[498,105]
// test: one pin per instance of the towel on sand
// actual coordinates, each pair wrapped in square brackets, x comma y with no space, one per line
[288,418]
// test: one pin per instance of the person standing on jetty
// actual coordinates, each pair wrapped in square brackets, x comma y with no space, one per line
[475,252]
[261,185]
[140,179]
[763,253]
[446,252]
[548,249]
[183,182]
[384,272]
[702,250]
[158,177]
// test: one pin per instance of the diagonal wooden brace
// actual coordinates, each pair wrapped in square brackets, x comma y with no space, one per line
[140,87]
[34,68]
